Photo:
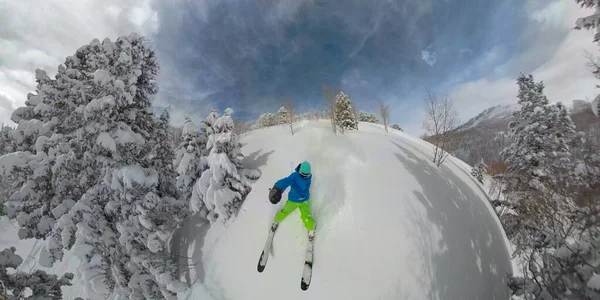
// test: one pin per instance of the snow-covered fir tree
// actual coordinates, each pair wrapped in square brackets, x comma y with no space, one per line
[369,117]
[592,22]
[100,181]
[545,225]
[6,146]
[6,141]
[224,185]
[41,284]
[282,116]
[479,171]
[190,163]
[344,112]
[163,158]
[266,120]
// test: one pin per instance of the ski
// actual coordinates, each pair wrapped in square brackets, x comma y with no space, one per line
[307,272]
[264,256]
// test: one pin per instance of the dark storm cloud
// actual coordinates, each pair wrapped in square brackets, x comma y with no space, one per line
[250,54]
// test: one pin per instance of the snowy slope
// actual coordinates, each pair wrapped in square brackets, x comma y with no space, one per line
[390,225]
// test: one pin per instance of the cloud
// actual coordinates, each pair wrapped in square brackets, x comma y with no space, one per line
[429,57]
[42,33]
[6,108]
[564,72]
[251,55]
[352,79]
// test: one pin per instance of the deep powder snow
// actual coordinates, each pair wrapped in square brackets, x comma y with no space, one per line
[390,224]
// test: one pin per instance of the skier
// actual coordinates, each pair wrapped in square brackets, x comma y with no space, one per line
[298,197]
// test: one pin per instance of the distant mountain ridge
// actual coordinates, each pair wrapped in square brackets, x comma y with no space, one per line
[482,137]
[491,117]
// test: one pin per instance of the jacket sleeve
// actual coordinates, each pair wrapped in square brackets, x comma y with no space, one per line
[285,182]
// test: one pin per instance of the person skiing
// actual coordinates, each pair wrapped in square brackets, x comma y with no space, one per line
[298,197]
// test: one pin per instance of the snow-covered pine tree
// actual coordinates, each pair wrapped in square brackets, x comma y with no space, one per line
[282,115]
[524,155]
[592,22]
[190,164]
[540,181]
[479,171]
[38,141]
[41,284]
[6,146]
[6,141]
[364,116]
[266,120]
[110,210]
[223,186]
[344,112]
[163,158]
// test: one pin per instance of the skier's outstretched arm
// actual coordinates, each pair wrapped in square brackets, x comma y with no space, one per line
[280,186]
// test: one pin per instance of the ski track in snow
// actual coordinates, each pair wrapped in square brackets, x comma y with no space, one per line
[390,224]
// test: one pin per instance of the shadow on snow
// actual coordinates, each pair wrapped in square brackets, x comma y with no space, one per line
[473,261]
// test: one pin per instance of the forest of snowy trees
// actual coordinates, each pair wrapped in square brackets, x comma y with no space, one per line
[92,169]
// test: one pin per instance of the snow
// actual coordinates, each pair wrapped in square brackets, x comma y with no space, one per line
[189,128]
[105,140]
[125,135]
[594,282]
[42,108]
[98,104]
[101,77]
[390,224]
[138,175]
[15,159]
[30,251]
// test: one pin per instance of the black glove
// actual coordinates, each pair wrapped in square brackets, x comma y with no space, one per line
[275,195]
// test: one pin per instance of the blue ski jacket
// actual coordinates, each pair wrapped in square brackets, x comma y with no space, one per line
[300,187]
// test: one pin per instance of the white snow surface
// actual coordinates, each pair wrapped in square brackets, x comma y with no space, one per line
[390,224]
[135,174]
[594,282]
[101,77]
[105,140]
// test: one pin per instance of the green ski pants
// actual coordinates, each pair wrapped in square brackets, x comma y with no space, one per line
[290,206]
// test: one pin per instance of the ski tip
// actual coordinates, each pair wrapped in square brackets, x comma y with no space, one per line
[304,286]
[260,267]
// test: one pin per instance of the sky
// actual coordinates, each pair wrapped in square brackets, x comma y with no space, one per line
[251,55]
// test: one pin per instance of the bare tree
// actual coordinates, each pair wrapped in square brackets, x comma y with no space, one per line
[440,121]
[384,110]
[290,114]
[330,97]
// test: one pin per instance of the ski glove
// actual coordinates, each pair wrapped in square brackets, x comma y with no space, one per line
[275,195]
